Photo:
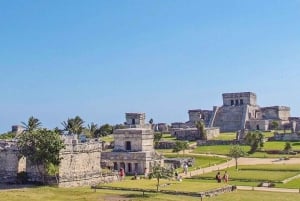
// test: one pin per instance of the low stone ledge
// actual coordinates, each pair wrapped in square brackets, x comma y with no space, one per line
[210,193]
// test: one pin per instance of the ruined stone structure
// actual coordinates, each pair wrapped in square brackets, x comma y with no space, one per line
[239,111]
[193,133]
[133,150]
[188,130]
[10,163]
[80,164]
[18,129]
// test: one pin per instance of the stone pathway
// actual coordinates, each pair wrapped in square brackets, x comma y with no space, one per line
[283,190]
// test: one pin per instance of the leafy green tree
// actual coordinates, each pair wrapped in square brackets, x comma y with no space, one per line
[236,152]
[32,124]
[119,126]
[160,172]
[74,125]
[105,130]
[255,139]
[201,129]
[157,137]
[53,170]
[180,146]
[287,147]
[41,147]
[275,125]
[8,135]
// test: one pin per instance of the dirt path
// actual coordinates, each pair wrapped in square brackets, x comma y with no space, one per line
[248,161]
[241,161]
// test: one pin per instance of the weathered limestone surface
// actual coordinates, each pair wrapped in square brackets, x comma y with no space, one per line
[80,165]
[133,150]
[239,111]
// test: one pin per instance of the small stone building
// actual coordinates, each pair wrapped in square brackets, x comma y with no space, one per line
[133,150]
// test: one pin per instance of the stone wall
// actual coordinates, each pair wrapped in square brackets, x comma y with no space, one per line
[165,145]
[193,134]
[256,124]
[276,113]
[135,119]
[80,164]
[133,139]
[242,98]
[286,137]
[200,115]
[9,162]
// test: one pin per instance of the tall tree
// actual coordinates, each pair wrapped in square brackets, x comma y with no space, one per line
[287,147]
[74,125]
[160,172]
[201,129]
[41,147]
[92,130]
[180,146]
[105,130]
[32,124]
[255,139]
[236,152]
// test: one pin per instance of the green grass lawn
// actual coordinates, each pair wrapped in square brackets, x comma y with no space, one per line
[292,184]
[108,138]
[184,186]
[86,194]
[168,137]
[224,150]
[200,161]
[226,136]
[252,175]
[216,149]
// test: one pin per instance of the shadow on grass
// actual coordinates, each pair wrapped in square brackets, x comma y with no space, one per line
[139,195]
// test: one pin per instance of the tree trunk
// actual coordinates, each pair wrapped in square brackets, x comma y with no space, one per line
[236,163]
[157,184]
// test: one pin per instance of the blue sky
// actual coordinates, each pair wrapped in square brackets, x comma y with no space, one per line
[100,59]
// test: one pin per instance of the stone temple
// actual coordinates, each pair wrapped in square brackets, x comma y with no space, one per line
[239,111]
[133,146]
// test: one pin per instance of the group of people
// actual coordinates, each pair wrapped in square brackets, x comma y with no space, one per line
[225,177]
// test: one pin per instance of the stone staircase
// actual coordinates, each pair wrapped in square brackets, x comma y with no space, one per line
[230,118]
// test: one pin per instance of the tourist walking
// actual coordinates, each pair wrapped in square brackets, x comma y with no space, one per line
[122,173]
[185,168]
[225,177]
[218,177]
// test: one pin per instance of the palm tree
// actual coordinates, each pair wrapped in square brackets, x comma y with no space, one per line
[32,124]
[74,125]
[92,130]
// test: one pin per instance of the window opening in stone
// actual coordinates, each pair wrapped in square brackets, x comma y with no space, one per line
[115,166]
[129,167]
[128,145]
[236,102]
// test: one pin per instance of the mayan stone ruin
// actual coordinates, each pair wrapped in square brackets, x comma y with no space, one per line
[133,150]
[239,111]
